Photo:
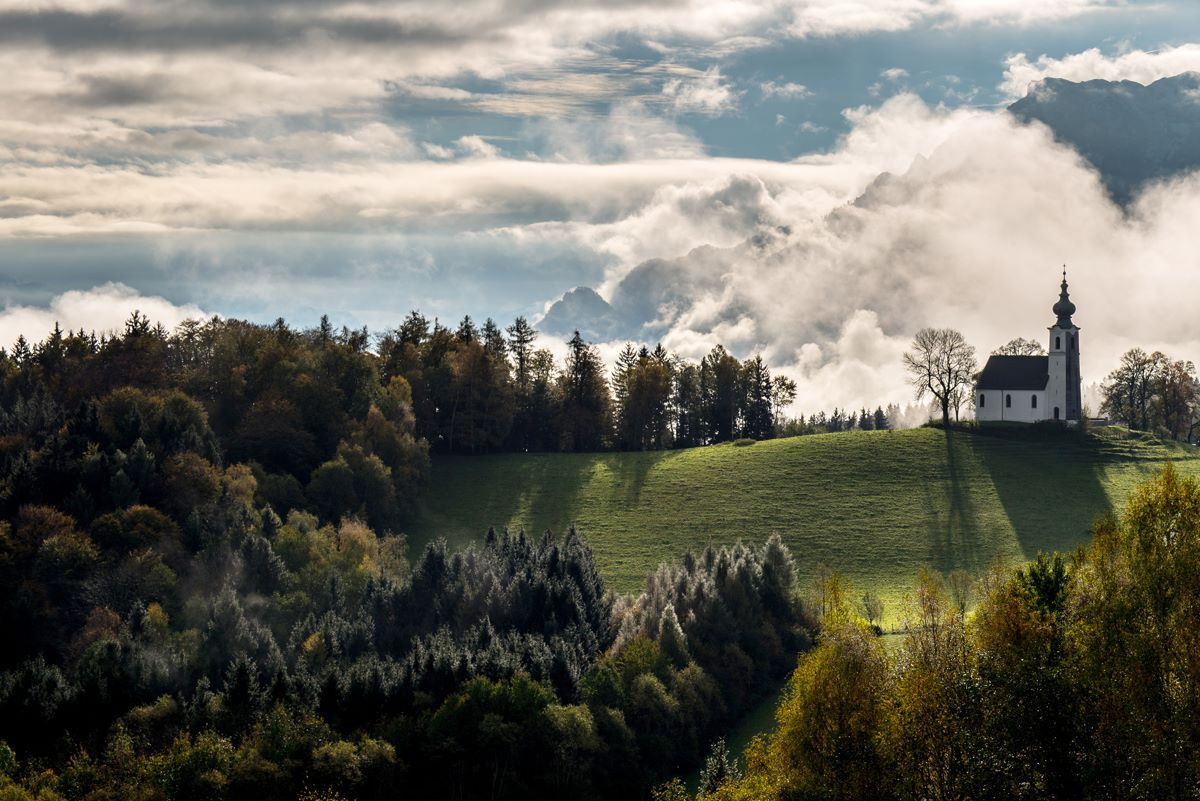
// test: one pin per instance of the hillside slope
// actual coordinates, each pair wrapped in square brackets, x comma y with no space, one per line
[875,506]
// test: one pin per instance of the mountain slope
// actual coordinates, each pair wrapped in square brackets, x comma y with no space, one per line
[1132,134]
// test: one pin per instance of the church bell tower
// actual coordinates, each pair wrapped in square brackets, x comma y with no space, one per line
[1063,395]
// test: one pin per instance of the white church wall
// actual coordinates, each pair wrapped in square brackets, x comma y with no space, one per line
[1022,409]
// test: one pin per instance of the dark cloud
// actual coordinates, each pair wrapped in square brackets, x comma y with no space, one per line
[139,31]
[121,90]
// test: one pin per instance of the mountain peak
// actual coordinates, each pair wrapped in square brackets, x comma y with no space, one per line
[1132,133]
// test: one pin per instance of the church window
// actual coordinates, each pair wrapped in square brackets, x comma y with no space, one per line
[1055,412]
[1033,402]
[1008,401]
[982,398]
[1057,343]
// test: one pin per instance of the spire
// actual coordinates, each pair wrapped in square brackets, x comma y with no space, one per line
[1064,308]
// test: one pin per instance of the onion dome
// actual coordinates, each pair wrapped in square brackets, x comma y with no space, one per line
[1064,308]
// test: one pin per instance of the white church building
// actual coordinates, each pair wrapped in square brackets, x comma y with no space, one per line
[1028,389]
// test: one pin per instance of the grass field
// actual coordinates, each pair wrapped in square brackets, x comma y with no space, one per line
[875,506]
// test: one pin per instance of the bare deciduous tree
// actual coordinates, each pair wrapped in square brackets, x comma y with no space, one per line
[941,364]
[1020,347]
[872,608]
[960,585]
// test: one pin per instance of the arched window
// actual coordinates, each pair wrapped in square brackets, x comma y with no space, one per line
[1055,412]
[1058,343]
[982,398]
[1033,401]
[1008,401]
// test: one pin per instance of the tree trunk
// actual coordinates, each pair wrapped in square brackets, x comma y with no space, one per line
[946,412]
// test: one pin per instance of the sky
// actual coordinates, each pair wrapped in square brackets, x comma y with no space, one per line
[696,162]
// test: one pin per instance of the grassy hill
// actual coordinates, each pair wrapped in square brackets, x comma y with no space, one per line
[874,505]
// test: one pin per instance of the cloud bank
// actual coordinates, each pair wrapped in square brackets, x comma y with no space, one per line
[103,309]
[971,234]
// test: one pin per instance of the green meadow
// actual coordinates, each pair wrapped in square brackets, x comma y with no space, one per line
[875,506]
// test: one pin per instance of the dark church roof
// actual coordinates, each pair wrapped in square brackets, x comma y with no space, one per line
[1015,372]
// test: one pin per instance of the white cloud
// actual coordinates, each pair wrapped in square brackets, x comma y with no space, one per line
[817,18]
[788,90]
[477,147]
[434,150]
[1141,66]
[102,309]
[628,132]
[968,231]
[858,364]
[703,94]
[464,194]
[894,74]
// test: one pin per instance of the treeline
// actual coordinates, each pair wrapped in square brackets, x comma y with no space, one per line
[838,421]
[1074,678]
[478,389]
[1153,392]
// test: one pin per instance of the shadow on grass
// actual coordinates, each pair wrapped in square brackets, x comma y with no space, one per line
[1050,485]
[630,472]
[531,492]
[951,511]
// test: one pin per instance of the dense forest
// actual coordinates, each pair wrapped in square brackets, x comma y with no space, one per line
[204,596]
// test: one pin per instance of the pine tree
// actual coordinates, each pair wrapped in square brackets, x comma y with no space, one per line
[414,330]
[624,419]
[467,332]
[585,399]
[721,388]
[688,412]
[20,353]
[520,343]
[493,340]
[757,419]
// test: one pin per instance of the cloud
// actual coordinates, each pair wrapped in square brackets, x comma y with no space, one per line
[1141,66]
[628,132]
[704,94]
[787,90]
[894,74]
[121,70]
[967,229]
[469,194]
[102,309]
[477,147]
[823,18]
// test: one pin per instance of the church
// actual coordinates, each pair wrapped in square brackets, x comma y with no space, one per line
[1028,389]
